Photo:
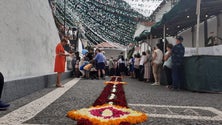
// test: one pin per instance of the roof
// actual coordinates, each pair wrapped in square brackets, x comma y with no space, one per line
[111,45]
[105,45]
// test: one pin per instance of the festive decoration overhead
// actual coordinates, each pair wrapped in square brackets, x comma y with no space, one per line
[145,7]
[103,20]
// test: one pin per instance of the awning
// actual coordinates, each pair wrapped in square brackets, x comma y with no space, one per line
[183,16]
[144,35]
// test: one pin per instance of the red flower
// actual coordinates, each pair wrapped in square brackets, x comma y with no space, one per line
[84,122]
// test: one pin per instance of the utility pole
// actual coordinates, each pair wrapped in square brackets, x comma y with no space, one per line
[64,17]
[198,26]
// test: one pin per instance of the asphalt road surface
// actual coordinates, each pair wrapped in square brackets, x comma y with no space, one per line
[163,106]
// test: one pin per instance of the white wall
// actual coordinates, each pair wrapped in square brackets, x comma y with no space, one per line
[187,38]
[144,47]
[220,26]
[214,28]
[153,42]
[187,34]
[28,36]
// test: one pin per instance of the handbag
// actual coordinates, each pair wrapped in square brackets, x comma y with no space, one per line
[168,63]
[87,67]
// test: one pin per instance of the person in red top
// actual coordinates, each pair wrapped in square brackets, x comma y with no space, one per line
[60,60]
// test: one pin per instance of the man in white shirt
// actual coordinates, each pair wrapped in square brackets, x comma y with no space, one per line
[141,67]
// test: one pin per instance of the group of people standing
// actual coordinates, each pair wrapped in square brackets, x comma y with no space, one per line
[173,65]
[150,65]
[141,67]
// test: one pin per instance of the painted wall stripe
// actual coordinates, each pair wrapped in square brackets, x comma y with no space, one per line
[31,109]
[176,116]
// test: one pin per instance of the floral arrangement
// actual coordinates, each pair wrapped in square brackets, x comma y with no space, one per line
[114,82]
[116,78]
[108,115]
[110,108]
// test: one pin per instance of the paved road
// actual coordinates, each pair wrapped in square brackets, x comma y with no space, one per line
[164,107]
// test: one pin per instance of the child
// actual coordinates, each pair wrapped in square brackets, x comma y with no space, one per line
[82,64]
[87,69]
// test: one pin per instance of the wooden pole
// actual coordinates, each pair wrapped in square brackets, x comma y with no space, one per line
[164,37]
[64,17]
[198,26]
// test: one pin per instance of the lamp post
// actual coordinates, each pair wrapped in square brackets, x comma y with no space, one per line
[164,39]
[198,26]
[64,17]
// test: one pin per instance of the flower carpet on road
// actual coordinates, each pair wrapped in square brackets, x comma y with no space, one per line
[110,108]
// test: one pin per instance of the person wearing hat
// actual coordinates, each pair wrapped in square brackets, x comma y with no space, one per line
[177,60]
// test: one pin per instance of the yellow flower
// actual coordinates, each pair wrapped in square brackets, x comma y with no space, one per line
[107,112]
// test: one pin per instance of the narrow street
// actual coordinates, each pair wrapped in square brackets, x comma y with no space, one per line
[163,106]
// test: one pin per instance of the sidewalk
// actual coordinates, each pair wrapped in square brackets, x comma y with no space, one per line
[164,107]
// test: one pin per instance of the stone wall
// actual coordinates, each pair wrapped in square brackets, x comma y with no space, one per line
[28,37]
